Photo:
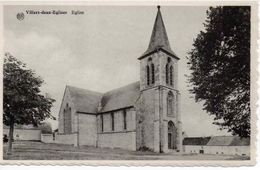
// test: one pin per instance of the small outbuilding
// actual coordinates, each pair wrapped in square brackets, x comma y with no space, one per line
[195,144]
[226,145]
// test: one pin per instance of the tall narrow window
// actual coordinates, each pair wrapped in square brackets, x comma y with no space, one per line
[152,65]
[124,117]
[67,119]
[112,122]
[102,123]
[171,78]
[148,75]
[166,74]
[170,104]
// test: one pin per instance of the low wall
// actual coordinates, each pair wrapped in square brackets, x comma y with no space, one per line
[228,150]
[25,134]
[225,150]
[69,139]
[123,140]
[47,138]
[192,148]
[87,130]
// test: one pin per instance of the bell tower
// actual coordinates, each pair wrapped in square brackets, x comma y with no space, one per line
[160,125]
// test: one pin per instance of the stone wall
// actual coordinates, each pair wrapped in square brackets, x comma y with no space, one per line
[120,137]
[67,100]
[143,73]
[152,118]
[25,134]
[123,140]
[162,71]
[87,129]
[192,148]
[118,121]
[159,60]
[219,150]
[164,91]
[68,139]
[227,150]
[145,114]
[175,119]
[47,138]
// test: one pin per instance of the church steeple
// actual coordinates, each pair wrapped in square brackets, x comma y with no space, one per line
[159,39]
[159,95]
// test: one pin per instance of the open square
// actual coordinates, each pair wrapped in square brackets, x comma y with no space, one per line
[28,150]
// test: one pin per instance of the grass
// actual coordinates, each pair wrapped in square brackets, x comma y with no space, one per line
[29,150]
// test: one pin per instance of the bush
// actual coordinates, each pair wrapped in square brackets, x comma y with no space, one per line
[145,149]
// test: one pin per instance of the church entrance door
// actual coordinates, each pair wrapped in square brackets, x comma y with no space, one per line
[172,136]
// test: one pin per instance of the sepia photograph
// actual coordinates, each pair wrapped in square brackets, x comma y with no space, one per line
[117,82]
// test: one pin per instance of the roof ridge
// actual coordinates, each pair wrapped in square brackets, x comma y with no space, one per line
[80,88]
[122,87]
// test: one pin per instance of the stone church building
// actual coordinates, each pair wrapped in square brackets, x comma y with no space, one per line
[141,115]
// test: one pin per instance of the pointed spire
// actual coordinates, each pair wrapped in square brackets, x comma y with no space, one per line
[159,39]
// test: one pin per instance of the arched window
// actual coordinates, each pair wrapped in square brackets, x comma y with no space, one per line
[171,75]
[148,75]
[166,73]
[67,119]
[152,65]
[172,136]
[170,104]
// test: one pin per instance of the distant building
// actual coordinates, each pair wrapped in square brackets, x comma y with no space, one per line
[195,145]
[141,115]
[227,145]
[24,133]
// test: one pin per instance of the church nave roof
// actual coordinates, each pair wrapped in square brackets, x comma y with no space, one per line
[87,101]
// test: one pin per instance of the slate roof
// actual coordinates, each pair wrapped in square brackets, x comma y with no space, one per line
[85,100]
[196,141]
[120,98]
[217,141]
[159,39]
[220,141]
[228,141]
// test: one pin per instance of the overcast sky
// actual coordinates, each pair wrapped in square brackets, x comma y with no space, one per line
[99,50]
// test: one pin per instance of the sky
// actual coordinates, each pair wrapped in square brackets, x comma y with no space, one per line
[99,49]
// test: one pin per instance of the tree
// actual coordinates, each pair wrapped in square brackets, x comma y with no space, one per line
[220,68]
[22,102]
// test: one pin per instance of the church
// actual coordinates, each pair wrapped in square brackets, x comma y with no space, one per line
[144,115]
